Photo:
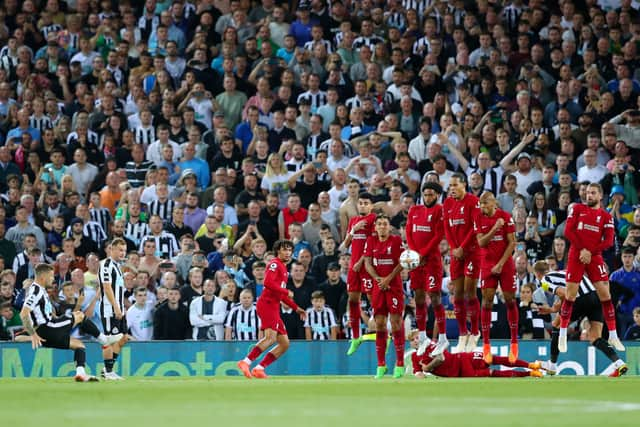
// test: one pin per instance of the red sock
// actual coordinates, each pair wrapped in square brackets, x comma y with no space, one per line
[512,318]
[441,319]
[486,324]
[354,317]
[381,347]
[609,314]
[421,316]
[461,315]
[565,313]
[269,358]
[398,342]
[473,309]
[509,374]
[504,361]
[254,353]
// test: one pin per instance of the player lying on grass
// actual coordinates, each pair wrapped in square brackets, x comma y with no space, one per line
[586,305]
[465,365]
[47,331]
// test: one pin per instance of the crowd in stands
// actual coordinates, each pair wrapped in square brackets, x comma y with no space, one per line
[201,131]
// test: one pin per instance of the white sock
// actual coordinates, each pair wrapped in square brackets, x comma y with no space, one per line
[102,338]
[618,363]
[442,337]
[613,334]
[260,367]
[80,370]
[247,360]
[422,335]
[563,332]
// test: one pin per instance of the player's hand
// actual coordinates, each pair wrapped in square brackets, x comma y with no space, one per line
[544,310]
[36,340]
[356,267]
[499,223]
[585,256]
[290,293]
[360,225]
[457,253]
[497,269]
[302,313]
[118,314]
[423,261]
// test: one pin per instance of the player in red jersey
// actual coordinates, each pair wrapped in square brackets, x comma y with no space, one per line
[268,307]
[424,233]
[590,231]
[382,261]
[469,364]
[495,232]
[459,211]
[360,228]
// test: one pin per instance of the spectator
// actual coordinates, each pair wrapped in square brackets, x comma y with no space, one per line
[207,314]
[171,319]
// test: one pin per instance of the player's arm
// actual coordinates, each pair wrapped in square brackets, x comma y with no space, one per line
[468,240]
[409,232]
[368,266]
[108,292]
[25,315]
[447,229]
[570,230]
[484,239]
[434,364]
[511,245]
[608,238]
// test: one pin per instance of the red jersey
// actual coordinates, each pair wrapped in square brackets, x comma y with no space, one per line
[459,216]
[588,228]
[359,239]
[449,368]
[275,284]
[424,230]
[385,256]
[492,253]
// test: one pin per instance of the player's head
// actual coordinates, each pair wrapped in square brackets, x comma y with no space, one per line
[44,274]
[118,249]
[594,195]
[283,250]
[365,203]
[488,204]
[383,224]
[540,268]
[431,191]
[458,186]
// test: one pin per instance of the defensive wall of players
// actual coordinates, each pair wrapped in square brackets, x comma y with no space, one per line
[184,358]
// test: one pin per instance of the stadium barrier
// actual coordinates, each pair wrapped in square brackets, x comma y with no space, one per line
[190,358]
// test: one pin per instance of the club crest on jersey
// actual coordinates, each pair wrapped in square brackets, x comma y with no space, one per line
[389,250]
[429,218]
[462,210]
[598,218]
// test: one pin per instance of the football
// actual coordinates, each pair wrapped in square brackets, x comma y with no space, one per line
[409,259]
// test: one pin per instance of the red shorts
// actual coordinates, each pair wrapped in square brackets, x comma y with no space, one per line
[507,277]
[596,270]
[269,314]
[427,277]
[469,266]
[359,281]
[387,302]
[472,365]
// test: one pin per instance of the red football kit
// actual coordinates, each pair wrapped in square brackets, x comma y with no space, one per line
[590,229]
[424,233]
[360,281]
[459,216]
[491,254]
[275,291]
[385,256]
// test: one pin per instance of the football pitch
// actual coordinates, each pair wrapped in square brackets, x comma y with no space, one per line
[323,401]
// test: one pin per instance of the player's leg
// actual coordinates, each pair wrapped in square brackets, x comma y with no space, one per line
[460,311]
[107,350]
[80,359]
[277,351]
[595,337]
[471,276]
[575,271]
[269,338]
[418,278]
[89,328]
[397,332]
[354,321]
[515,374]
[513,316]
[381,341]
[441,321]
[609,313]
[488,293]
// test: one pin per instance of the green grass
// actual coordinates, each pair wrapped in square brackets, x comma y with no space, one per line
[322,401]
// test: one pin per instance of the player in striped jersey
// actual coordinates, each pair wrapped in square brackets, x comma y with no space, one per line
[587,304]
[112,304]
[48,331]
[321,321]
[243,323]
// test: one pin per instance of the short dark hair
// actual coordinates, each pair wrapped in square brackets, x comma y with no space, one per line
[282,244]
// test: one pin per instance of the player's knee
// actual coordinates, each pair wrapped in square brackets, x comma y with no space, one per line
[435,299]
